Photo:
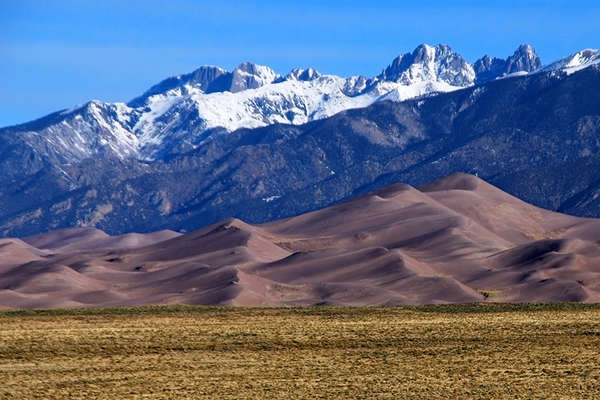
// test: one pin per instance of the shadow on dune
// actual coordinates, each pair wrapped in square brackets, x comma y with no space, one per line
[455,240]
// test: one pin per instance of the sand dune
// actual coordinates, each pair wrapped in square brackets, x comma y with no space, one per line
[457,239]
[88,238]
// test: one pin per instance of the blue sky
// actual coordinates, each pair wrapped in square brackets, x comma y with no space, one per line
[55,54]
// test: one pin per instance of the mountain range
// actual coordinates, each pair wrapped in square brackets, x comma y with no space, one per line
[251,143]
[179,113]
[455,240]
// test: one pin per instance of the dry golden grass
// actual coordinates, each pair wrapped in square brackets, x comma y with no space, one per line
[180,352]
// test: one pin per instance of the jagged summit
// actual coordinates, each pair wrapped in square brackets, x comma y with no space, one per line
[523,60]
[575,62]
[488,68]
[430,63]
[303,74]
[211,79]
[177,161]
[181,112]
[248,75]
[203,78]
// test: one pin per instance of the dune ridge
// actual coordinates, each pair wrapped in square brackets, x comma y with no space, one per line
[455,240]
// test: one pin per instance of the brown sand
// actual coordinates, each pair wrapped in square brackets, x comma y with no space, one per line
[454,240]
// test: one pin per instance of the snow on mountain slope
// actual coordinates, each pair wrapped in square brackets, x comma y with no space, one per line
[395,92]
[180,112]
[430,64]
[523,61]
[291,101]
[576,62]
[92,129]
[254,96]
[170,115]
[251,76]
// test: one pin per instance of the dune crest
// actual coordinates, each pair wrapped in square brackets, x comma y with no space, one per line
[455,240]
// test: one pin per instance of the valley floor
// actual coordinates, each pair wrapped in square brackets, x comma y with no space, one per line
[470,351]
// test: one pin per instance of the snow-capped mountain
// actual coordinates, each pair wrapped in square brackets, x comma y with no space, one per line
[181,112]
[430,64]
[523,60]
[170,158]
[426,70]
[181,118]
[211,100]
[95,128]
[576,62]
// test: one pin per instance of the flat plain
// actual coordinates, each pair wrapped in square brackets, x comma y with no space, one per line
[169,352]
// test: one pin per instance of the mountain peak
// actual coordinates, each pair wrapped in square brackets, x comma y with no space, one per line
[303,74]
[252,68]
[204,75]
[248,75]
[525,48]
[424,50]
[524,59]
[430,63]
[202,78]
[577,61]
[427,52]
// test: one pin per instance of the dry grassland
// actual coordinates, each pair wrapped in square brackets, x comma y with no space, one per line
[493,351]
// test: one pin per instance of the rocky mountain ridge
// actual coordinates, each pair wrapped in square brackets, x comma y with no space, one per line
[179,113]
[534,135]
